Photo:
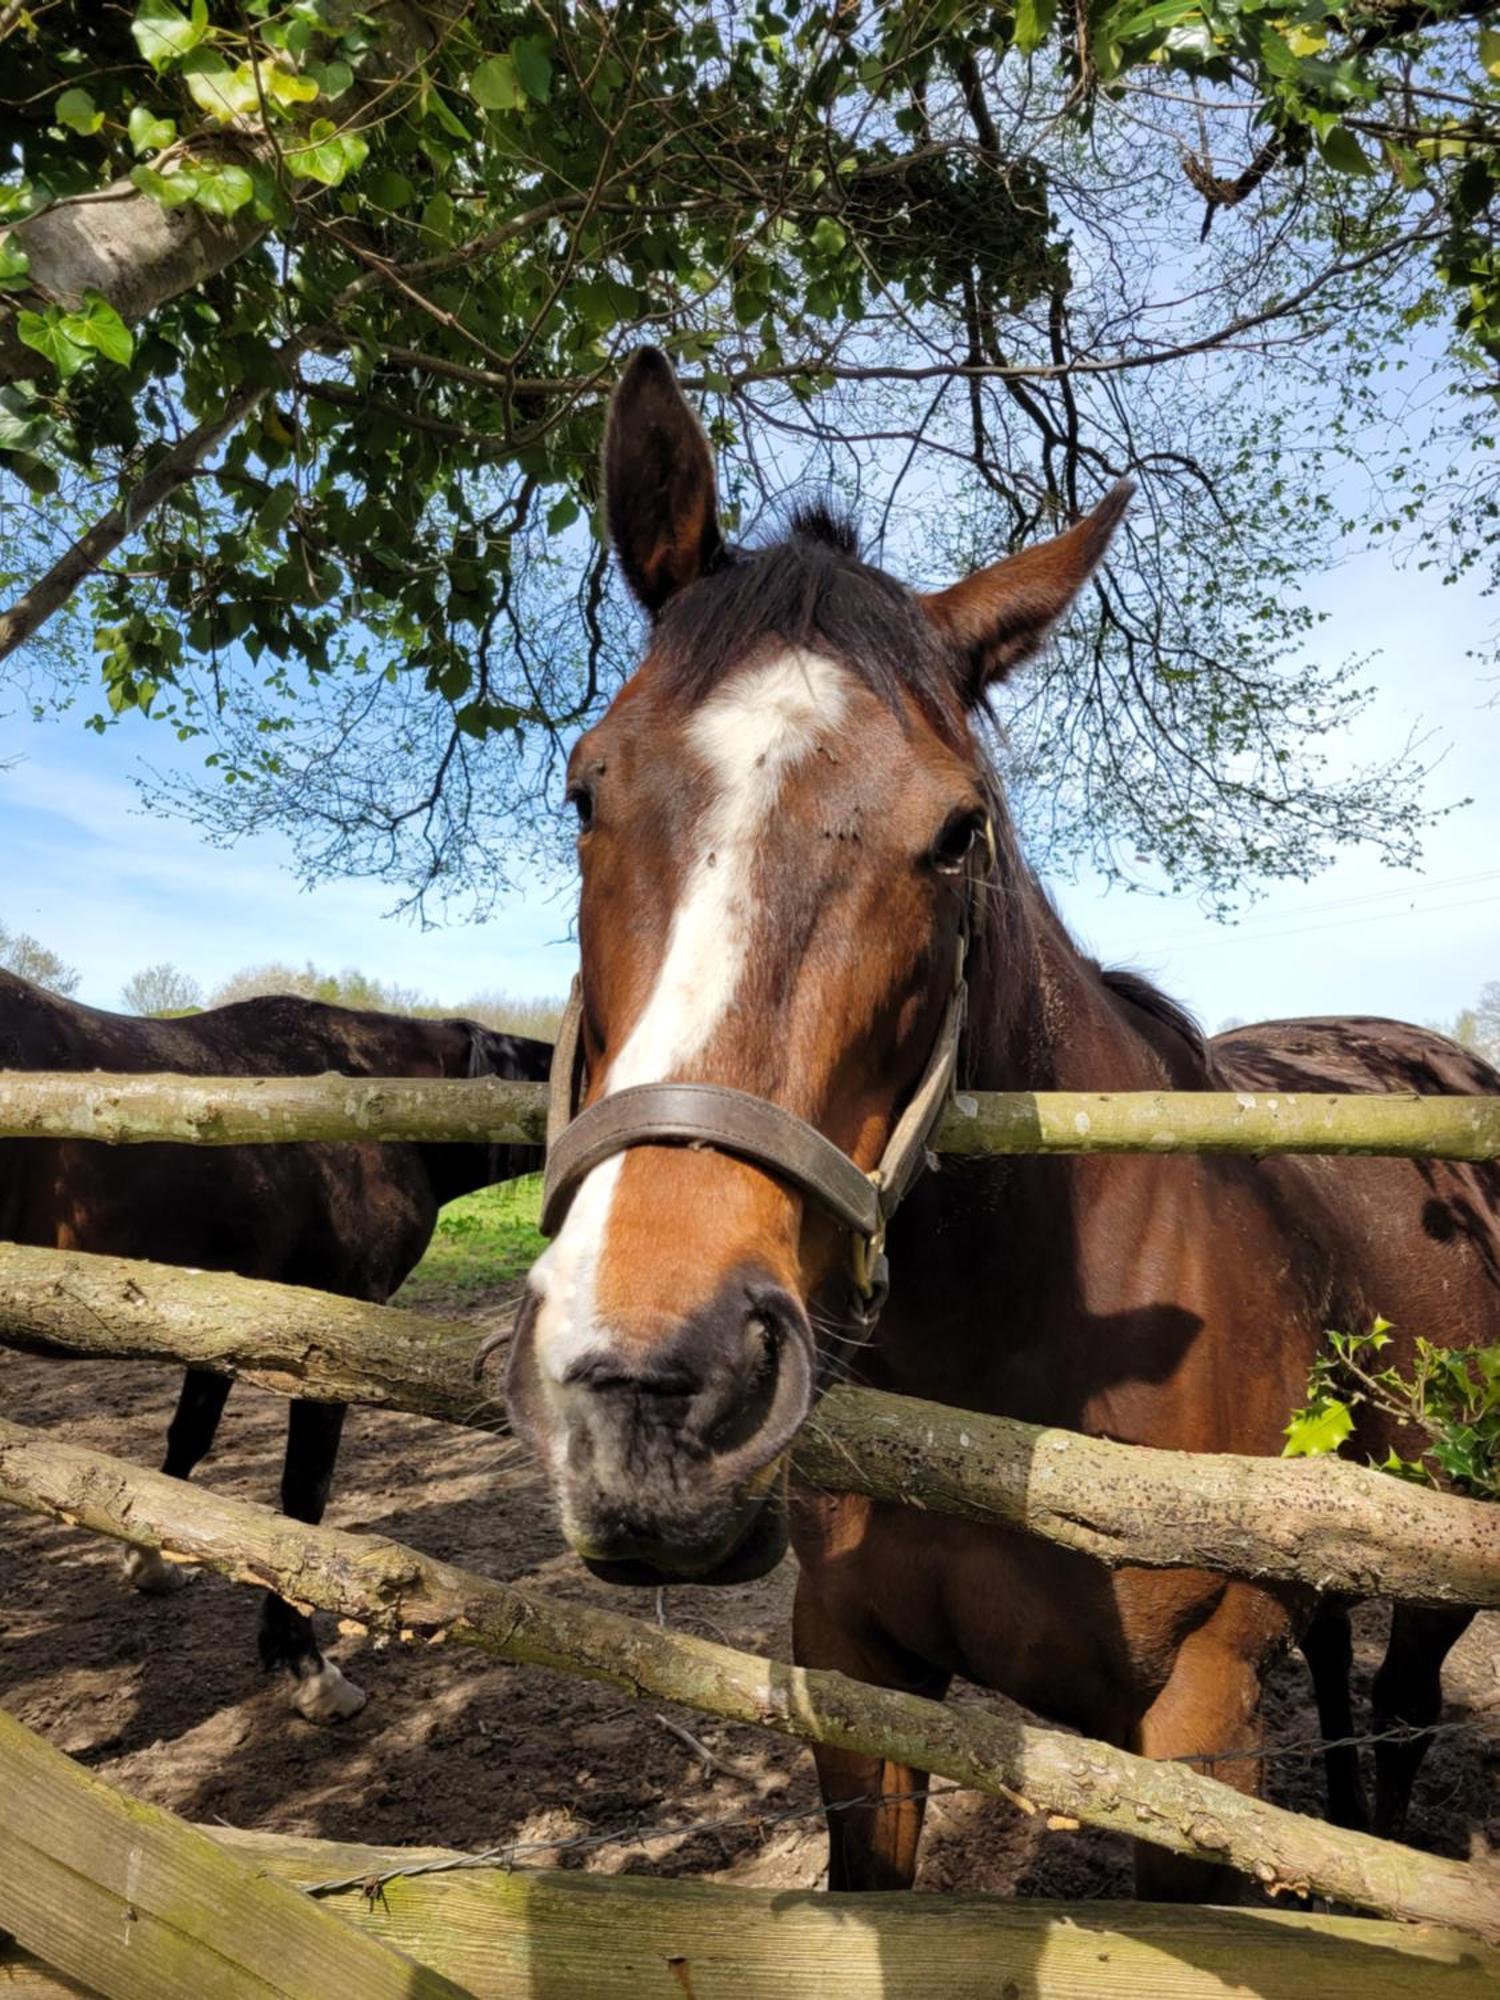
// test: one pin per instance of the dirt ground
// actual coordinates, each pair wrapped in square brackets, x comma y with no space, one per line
[166,1697]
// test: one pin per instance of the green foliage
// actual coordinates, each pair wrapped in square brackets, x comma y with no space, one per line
[1449,1400]
[384,602]
[485,1241]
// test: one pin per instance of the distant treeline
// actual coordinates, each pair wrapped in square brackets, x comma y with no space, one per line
[164,990]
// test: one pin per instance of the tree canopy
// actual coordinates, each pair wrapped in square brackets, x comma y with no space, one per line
[308,311]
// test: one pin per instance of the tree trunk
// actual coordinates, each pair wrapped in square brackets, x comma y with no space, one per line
[513,1933]
[129,1899]
[1324,1522]
[407,1595]
[241,1110]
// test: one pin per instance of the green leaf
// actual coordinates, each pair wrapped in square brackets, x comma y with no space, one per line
[334,78]
[828,237]
[223,93]
[494,86]
[390,189]
[1034,20]
[78,111]
[45,333]
[164,34]
[96,324]
[221,188]
[1321,1427]
[276,510]
[287,86]
[171,190]
[14,264]
[328,155]
[1489,51]
[148,133]
[1344,153]
[533,66]
[562,514]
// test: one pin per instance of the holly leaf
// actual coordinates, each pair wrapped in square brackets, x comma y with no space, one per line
[1320,1428]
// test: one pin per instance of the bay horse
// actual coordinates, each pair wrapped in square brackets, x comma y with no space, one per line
[782,822]
[347,1218]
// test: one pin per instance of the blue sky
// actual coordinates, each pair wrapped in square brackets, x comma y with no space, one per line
[112,888]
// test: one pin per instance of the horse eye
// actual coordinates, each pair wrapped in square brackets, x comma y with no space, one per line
[955,843]
[581,799]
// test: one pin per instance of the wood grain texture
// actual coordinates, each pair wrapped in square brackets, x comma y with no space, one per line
[546,1934]
[139,1905]
[392,1588]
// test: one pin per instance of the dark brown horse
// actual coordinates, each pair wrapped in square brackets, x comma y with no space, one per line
[352,1219]
[777,819]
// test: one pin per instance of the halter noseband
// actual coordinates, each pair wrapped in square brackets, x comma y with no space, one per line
[752,1128]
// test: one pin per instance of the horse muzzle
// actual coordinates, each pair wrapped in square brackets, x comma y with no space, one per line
[667,1456]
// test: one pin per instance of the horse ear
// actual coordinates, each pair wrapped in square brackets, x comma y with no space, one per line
[659,493]
[1001,616]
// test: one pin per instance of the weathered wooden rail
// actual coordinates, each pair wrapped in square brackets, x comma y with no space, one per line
[521,1933]
[1324,1522]
[396,1590]
[239,1110]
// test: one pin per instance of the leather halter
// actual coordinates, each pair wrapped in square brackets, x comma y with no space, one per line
[753,1128]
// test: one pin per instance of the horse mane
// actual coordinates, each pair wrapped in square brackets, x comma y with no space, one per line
[1139,991]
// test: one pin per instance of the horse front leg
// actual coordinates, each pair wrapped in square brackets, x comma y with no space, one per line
[1209,1716]
[874,1806]
[191,1433]
[322,1692]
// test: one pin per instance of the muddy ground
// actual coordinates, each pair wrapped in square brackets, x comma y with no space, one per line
[166,1697]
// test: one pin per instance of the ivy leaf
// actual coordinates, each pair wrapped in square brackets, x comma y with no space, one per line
[494,86]
[328,155]
[148,133]
[221,188]
[533,65]
[14,264]
[1489,51]
[78,111]
[171,190]
[45,333]
[164,34]
[96,324]
[223,93]
[1321,1427]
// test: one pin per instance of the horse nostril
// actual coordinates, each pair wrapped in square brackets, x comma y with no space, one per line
[606,1374]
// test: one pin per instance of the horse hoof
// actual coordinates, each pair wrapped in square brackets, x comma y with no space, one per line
[328,1696]
[148,1570]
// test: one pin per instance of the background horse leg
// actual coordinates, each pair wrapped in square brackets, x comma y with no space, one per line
[189,1437]
[1408,1693]
[323,1693]
[1328,1648]
[1208,1714]
[869,1846]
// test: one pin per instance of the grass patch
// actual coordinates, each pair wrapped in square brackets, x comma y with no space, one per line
[483,1242]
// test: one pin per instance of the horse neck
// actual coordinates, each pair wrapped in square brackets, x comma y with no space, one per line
[1042,1017]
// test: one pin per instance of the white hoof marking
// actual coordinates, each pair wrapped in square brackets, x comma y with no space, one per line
[328,1696]
[149,1571]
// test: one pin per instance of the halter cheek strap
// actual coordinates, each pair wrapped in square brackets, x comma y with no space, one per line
[754,1129]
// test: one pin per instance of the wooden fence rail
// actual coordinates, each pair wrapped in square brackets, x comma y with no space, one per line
[125,1897]
[240,1110]
[554,1934]
[407,1595]
[1324,1522]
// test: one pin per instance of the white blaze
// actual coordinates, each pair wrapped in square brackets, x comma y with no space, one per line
[750,735]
